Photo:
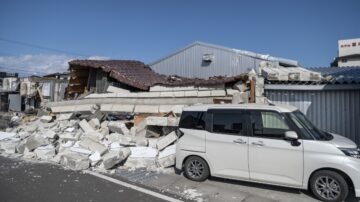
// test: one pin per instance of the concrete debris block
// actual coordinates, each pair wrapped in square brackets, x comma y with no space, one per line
[50,125]
[260,99]
[240,98]
[96,136]
[35,141]
[95,123]
[150,131]
[141,141]
[122,108]
[115,157]
[70,130]
[218,93]
[85,126]
[9,146]
[28,154]
[114,137]
[104,131]
[23,134]
[240,86]
[88,143]
[126,140]
[75,161]
[31,128]
[63,109]
[171,108]
[154,121]
[104,124]
[118,127]
[64,116]
[94,158]
[20,147]
[80,150]
[230,91]
[146,109]
[167,161]
[45,152]
[67,137]
[173,121]
[143,152]
[5,135]
[204,93]
[152,142]
[115,146]
[193,93]
[46,119]
[168,151]
[140,163]
[133,130]
[49,134]
[166,141]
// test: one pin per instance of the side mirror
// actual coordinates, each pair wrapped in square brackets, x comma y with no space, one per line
[291,135]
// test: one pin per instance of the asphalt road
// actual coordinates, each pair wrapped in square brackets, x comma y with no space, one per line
[25,181]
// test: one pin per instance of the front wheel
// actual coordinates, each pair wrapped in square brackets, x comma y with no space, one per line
[329,186]
[196,169]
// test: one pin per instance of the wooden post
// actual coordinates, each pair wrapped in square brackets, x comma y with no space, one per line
[252,91]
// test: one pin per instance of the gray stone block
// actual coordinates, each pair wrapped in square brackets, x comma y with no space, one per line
[90,144]
[46,119]
[118,127]
[75,161]
[166,141]
[35,141]
[85,126]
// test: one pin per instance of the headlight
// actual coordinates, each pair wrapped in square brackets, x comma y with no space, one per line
[351,152]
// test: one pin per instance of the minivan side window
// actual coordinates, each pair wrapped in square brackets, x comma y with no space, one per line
[230,122]
[268,124]
[192,120]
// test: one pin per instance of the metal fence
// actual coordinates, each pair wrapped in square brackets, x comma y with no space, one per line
[336,111]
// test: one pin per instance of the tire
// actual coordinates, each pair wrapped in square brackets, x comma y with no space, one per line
[329,186]
[196,169]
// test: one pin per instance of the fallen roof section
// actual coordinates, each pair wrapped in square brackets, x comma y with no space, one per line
[138,75]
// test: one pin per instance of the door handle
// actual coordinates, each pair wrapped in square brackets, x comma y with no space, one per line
[259,143]
[239,141]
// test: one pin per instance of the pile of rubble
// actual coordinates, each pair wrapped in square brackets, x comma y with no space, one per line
[99,141]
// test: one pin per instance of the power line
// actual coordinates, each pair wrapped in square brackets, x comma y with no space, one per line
[20,70]
[42,47]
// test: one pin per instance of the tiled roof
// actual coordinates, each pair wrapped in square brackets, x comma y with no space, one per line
[339,75]
[137,74]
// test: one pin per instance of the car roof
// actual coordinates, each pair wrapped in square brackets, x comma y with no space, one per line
[277,107]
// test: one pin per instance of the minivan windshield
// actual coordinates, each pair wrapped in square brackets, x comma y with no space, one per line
[307,127]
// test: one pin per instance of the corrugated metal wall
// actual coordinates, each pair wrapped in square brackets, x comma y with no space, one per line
[189,63]
[336,111]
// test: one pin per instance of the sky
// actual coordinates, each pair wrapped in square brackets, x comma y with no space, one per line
[39,37]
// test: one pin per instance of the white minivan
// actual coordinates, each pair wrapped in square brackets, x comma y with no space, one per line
[272,144]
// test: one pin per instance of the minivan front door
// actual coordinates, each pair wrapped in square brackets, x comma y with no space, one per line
[271,158]
[227,143]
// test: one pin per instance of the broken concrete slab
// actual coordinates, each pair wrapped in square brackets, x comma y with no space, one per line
[88,143]
[5,135]
[64,116]
[166,141]
[49,134]
[146,109]
[141,141]
[45,152]
[9,146]
[166,157]
[118,127]
[96,136]
[94,158]
[115,157]
[114,137]
[75,161]
[95,123]
[143,152]
[126,140]
[20,147]
[85,126]
[46,119]
[35,141]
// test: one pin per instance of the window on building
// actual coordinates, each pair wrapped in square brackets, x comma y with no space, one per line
[192,120]
[344,60]
[231,123]
[354,44]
